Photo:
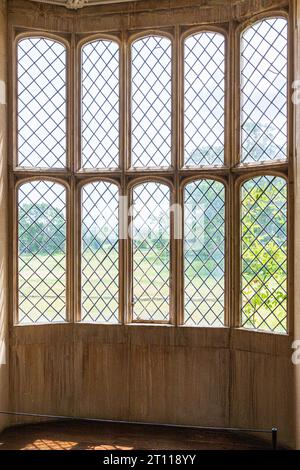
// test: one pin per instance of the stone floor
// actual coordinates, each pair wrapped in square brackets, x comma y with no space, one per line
[72,435]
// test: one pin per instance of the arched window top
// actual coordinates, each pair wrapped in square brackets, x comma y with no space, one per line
[205,182]
[41,82]
[207,34]
[278,22]
[152,39]
[49,190]
[264,90]
[41,41]
[94,41]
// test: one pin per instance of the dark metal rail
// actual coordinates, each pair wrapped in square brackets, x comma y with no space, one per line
[273,431]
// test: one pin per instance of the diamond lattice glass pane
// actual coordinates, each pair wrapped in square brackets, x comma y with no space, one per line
[100,105]
[41,103]
[42,252]
[100,253]
[204,253]
[264,91]
[151,102]
[151,252]
[204,65]
[264,254]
